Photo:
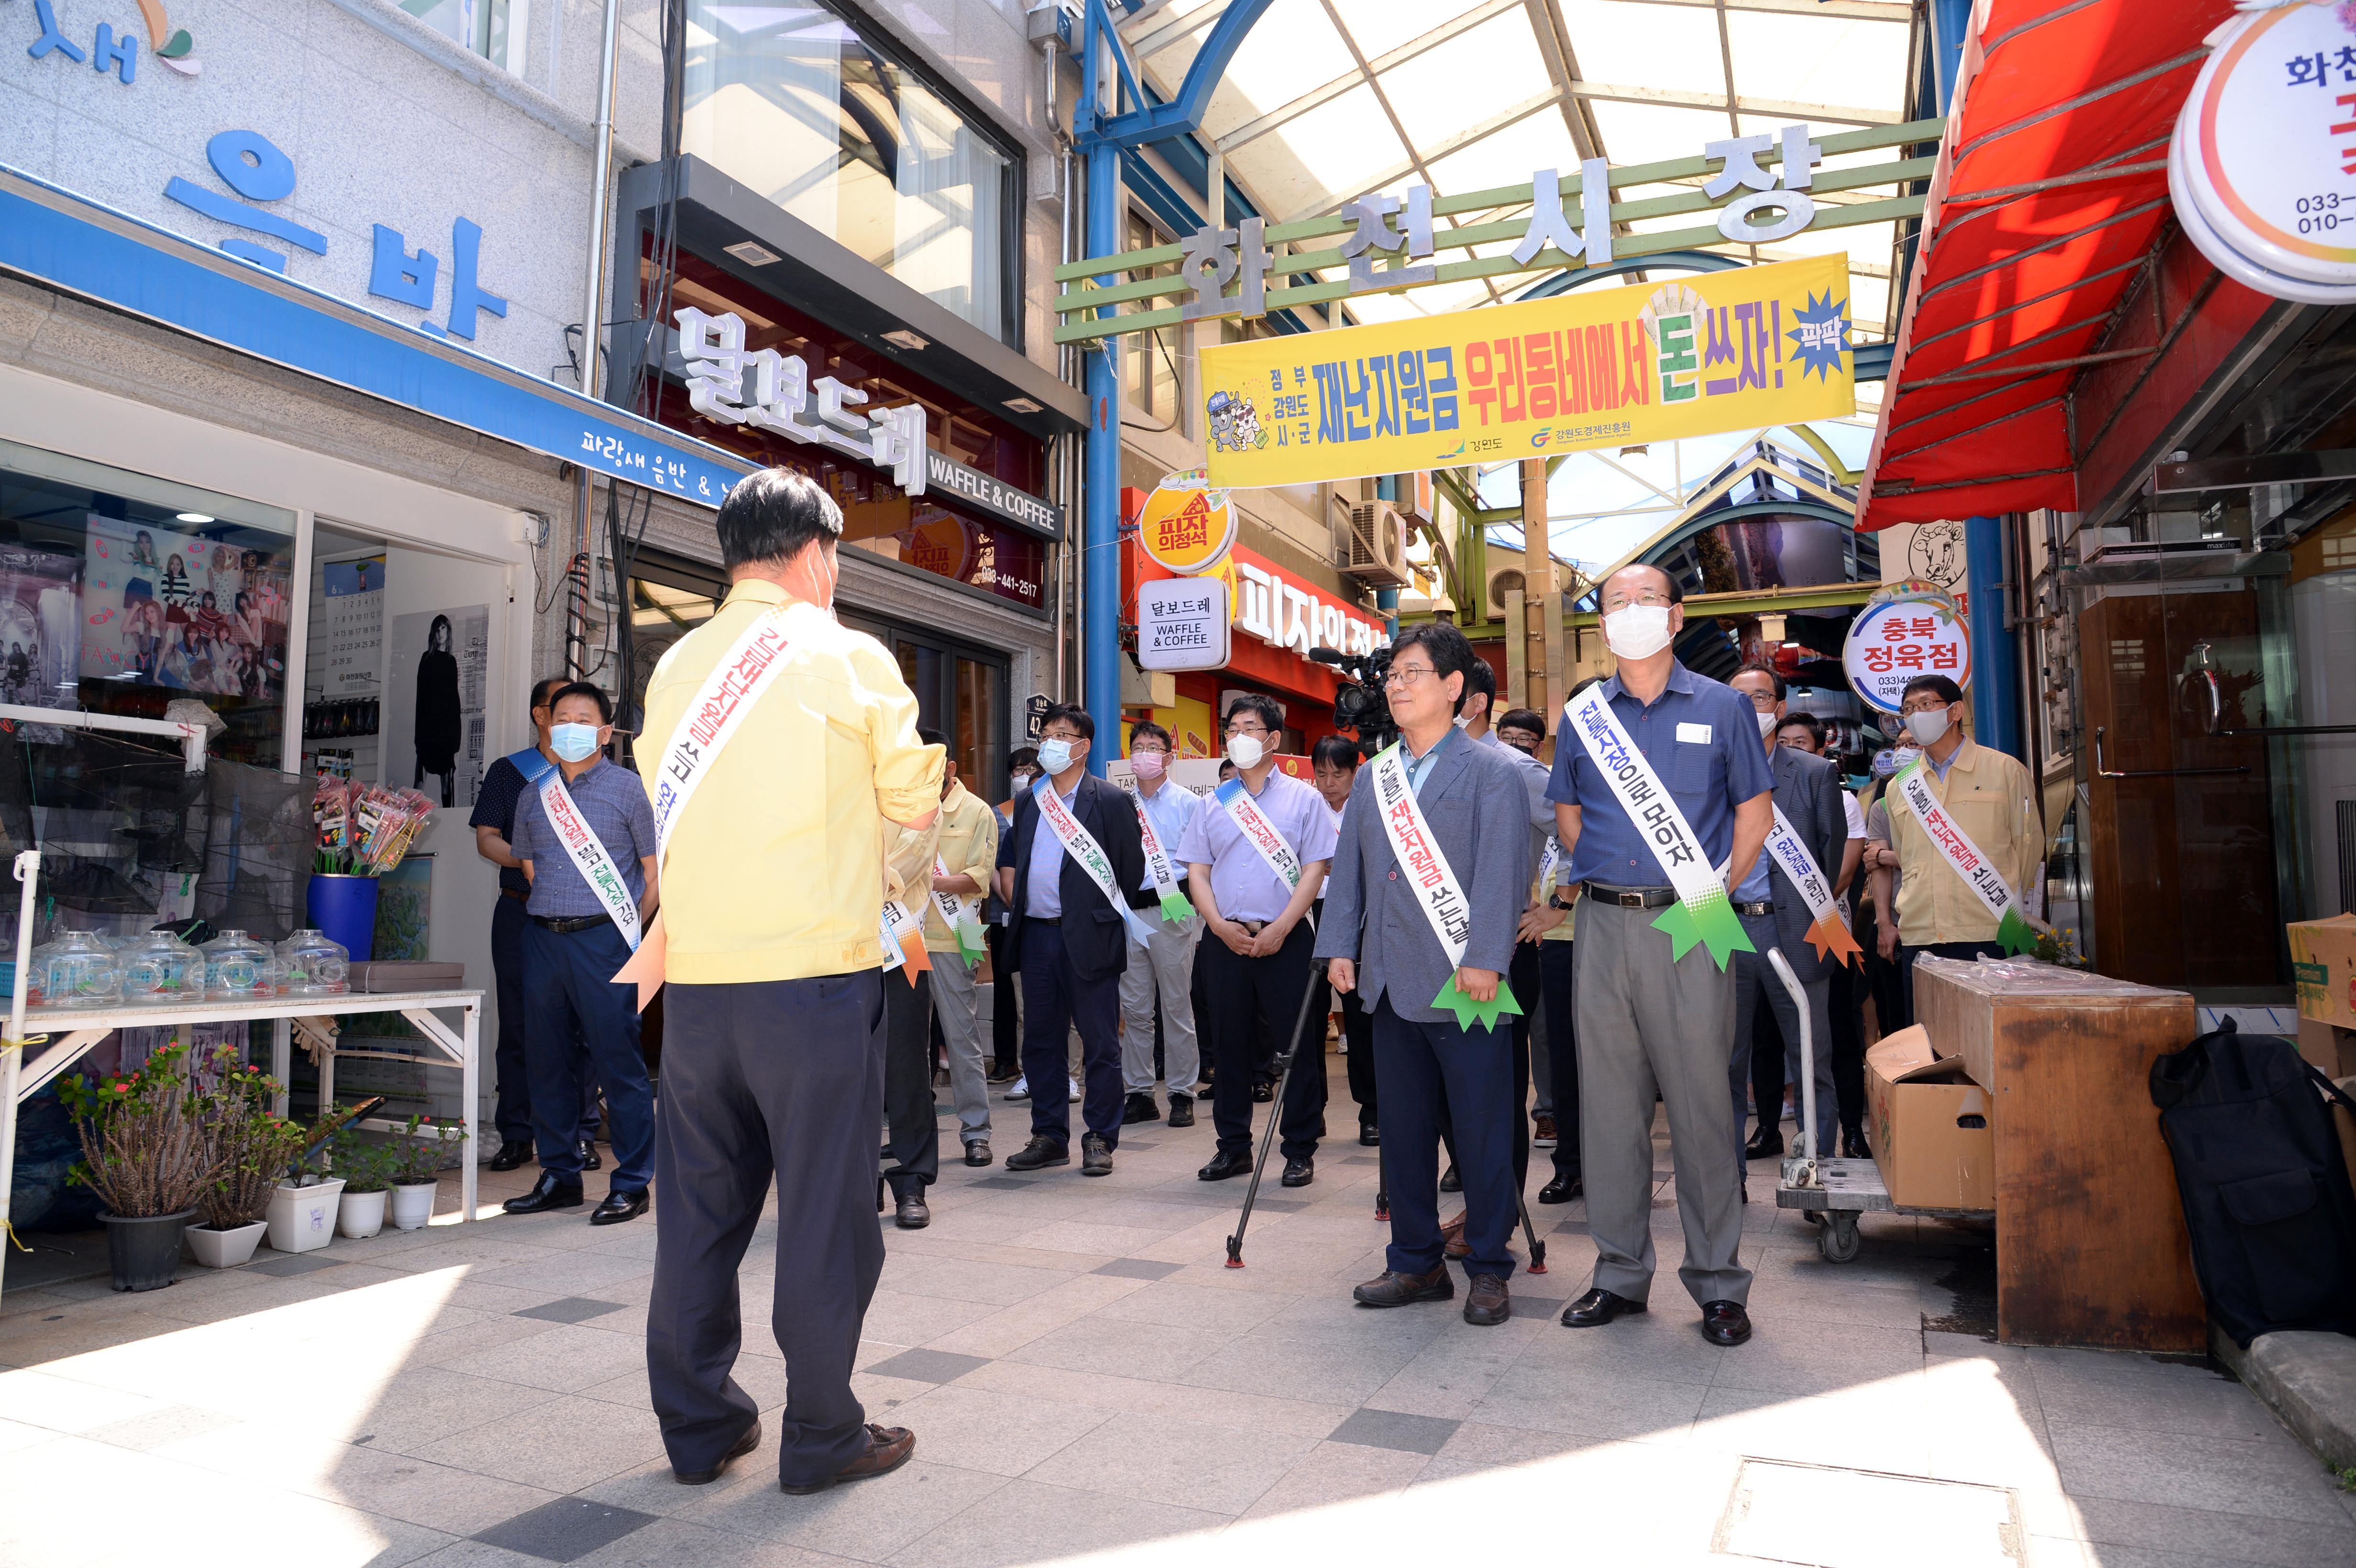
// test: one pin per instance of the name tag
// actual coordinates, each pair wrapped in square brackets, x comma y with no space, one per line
[1696,734]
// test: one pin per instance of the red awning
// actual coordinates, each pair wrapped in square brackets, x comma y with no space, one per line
[2051,186]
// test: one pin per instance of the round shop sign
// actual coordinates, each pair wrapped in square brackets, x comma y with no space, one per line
[940,544]
[2268,140]
[1186,527]
[1894,641]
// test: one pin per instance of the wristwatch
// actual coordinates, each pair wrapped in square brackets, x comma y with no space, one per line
[1555,901]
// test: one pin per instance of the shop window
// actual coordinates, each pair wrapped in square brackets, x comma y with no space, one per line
[804,103]
[495,29]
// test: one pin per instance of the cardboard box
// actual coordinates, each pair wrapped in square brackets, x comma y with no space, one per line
[2323,965]
[1933,1133]
[2330,1047]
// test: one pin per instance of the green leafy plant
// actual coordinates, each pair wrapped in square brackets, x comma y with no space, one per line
[2059,945]
[145,1152]
[422,1149]
[252,1144]
[365,1167]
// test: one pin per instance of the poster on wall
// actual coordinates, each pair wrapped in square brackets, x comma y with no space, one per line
[40,628]
[433,702]
[174,610]
[354,592]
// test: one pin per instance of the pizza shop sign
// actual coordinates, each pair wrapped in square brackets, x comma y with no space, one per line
[1287,614]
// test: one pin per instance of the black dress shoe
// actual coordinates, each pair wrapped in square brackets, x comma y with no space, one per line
[1487,1305]
[550,1191]
[978,1152]
[1765,1144]
[1096,1156]
[1853,1145]
[619,1207]
[910,1213]
[512,1155]
[1181,1109]
[1224,1164]
[1392,1288]
[1139,1108]
[1561,1190]
[1725,1322]
[1263,1092]
[1450,1182]
[1300,1172]
[736,1450]
[589,1160]
[1597,1307]
[1370,1135]
[1039,1153]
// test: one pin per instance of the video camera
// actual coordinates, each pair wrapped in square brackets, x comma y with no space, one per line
[1363,703]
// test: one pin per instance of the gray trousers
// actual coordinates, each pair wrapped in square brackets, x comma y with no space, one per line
[955,998]
[1646,1023]
[1169,968]
[1755,981]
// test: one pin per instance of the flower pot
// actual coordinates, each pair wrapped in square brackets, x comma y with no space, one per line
[360,1215]
[345,908]
[225,1249]
[412,1205]
[303,1219]
[143,1250]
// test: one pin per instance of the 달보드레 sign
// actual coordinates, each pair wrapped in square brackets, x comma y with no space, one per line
[1913,631]
[1186,527]
[1718,351]
[1182,623]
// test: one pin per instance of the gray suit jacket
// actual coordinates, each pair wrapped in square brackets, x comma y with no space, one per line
[1476,806]
[1807,792]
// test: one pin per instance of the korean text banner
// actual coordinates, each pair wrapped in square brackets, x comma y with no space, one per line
[1606,367]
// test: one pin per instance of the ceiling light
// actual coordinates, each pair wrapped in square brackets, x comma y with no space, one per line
[904,339]
[751,254]
[194,518]
[1022,406]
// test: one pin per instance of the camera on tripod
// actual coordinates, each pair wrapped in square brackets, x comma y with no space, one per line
[1363,703]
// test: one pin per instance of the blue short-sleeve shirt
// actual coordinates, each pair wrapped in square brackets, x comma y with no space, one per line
[613,802]
[1702,737]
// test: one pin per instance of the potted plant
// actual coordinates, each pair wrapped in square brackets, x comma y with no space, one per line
[146,1155]
[253,1145]
[366,1170]
[303,1207]
[418,1156]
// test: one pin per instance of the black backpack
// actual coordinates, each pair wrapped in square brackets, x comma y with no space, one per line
[2248,1123]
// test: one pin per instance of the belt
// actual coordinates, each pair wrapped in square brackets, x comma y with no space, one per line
[511,893]
[1044,919]
[1631,897]
[1764,906]
[563,924]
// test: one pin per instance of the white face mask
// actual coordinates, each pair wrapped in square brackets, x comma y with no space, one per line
[1927,728]
[1767,722]
[1055,755]
[1245,751]
[1145,764]
[1637,631]
[1023,777]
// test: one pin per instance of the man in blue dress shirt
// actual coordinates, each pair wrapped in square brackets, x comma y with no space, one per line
[1165,965]
[1649,1021]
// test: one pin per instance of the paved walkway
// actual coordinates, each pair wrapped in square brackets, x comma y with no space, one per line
[1085,1379]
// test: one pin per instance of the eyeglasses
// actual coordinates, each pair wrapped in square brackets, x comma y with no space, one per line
[1762,700]
[1653,599]
[1925,705]
[1254,728]
[1407,675]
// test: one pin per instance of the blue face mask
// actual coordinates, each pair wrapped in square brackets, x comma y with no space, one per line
[1055,755]
[573,743]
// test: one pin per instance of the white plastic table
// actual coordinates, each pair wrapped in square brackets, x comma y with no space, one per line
[72,1031]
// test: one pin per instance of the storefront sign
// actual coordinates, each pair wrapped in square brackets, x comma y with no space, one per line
[113,53]
[729,384]
[1285,612]
[1182,623]
[982,493]
[1186,527]
[1912,632]
[1738,349]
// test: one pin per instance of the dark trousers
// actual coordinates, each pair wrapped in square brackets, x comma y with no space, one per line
[1522,979]
[1562,1049]
[1848,1045]
[1883,982]
[1247,998]
[781,1078]
[1425,1066]
[1358,1028]
[1056,1002]
[914,1145]
[1966,951]
[1005,1021]
[568,983]
[512,1112]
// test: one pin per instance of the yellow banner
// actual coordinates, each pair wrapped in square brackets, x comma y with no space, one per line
[1605,367]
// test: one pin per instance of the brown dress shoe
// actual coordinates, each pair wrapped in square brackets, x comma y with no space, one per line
[1486,1305]
[888,1449]
[1452,1239]
[1392,1288]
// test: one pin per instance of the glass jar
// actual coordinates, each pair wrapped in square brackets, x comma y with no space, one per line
[236,967]
[313,963]
[158,968]
[80,972]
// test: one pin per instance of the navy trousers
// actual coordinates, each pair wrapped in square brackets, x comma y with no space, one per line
[568,983]
[512,1112]
[778,1079]
[1423,1068]
[1247,997]
[1562,1049]
[1056,1002]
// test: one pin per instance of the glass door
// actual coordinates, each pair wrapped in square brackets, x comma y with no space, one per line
[960,691]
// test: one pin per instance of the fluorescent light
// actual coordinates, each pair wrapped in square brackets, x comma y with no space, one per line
[751,254]
[194,518]
[904,339]
[1022,406]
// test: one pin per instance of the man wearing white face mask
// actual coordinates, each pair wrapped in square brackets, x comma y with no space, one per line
[1165,964]
[1989,795]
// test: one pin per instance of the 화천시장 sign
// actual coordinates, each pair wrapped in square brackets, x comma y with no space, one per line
[1749,347]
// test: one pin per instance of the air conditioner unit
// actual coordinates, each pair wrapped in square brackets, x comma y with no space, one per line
[1377,544]
[1503,578]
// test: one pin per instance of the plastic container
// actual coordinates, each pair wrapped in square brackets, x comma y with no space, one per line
[80,972]
[159,969]
[345,908]
[360,1215]
[303,1219]
[313,963]
[236,967]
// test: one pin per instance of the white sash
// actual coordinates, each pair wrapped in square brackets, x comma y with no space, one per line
[1829,933]
[582,843]
[1703,912]
[1437,892]
[2014,928]
[1259,832]
[1549,863]
[1175,905]
[962,915]
[1082,847]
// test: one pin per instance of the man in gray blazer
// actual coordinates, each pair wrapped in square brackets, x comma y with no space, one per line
[1807,792]
[1381,943]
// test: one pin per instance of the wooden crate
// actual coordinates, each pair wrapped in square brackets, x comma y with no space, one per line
[2091,1246]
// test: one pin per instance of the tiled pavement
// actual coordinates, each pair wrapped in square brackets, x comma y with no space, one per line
[1085,1379]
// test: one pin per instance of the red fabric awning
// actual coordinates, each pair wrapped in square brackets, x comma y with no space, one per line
[2051,187]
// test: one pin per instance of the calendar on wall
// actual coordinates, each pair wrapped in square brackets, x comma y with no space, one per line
[354,595]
